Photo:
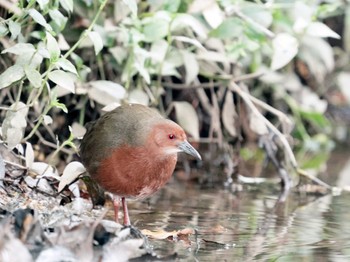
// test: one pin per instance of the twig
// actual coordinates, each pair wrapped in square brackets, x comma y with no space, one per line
[208,85]
[248,99]
[314,179]
[234,10]
[186,86]
[248,76]
[235,88]
[15,165]
[282,116]
[50,144]
[87,31]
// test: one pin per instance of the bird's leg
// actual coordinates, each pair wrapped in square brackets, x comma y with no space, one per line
[126,212]
[116,202]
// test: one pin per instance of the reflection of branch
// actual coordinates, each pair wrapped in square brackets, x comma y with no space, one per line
[249,100]
[313,179]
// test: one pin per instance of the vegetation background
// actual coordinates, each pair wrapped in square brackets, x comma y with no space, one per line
[228,71]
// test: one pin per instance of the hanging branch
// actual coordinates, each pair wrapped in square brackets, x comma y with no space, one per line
[250,100]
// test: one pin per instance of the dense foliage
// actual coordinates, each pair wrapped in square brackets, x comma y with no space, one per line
[203,62]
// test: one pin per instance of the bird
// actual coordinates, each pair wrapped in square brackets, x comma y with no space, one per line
[131,152]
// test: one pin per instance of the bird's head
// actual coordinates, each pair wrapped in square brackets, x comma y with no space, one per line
[171,139]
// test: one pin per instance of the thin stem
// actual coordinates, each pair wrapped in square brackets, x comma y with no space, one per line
[87,31]
[235,88]
[40,120]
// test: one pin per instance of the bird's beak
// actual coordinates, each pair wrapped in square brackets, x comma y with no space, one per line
[189,149]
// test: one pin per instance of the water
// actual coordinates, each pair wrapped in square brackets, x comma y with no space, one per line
[248,225]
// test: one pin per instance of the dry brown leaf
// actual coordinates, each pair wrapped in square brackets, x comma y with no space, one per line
[162,234]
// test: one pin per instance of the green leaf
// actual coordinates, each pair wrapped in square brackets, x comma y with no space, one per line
[11,75]
[33,76]
[106,92]
[66,65]
[63,79]
[67,5]
[3,29]
[39,18]
[14,124]
[132,6]
[15,29]
[59,105]
[52,47]
[58,18]
[97,41]
[285,48]
[43,3]
[229,28]
[20,48]
[187,21]
[315,161]
[191,66]
[155,30]
[171,5]
[318,119]
[319,29]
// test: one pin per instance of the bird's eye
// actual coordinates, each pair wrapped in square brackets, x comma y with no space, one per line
[171,136]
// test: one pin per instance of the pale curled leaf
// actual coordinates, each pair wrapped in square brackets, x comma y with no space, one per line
[11,75]
[63,79]
[72,171]
[158,50]
[14,124]
[52,47]
[40,183]
[319,29]
[42,3]
[29,155]
[106,92]
[66,65]
[285,48]
[67,5]
[192,41]
[132,4]
[191,66]
[257,125]
[97,41]
[213,14]
[42,169]
[78,130]
[33,76]
[155,29]
[39,18]
[13,136]
[187,118]
[138,96]
[47,120]
[229,115]
[15,29]
[186,20]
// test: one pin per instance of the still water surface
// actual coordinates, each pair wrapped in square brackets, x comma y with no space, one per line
[248,225]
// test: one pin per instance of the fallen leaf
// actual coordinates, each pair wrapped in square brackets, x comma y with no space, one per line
[70,173]
[162,234]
